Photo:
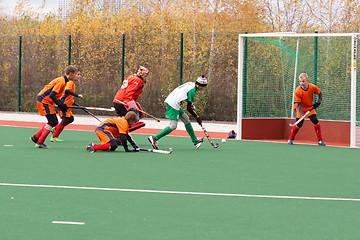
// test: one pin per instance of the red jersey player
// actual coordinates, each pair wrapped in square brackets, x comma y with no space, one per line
[304,97]
[67,116]
[129,92]
[112,128]
[46,98]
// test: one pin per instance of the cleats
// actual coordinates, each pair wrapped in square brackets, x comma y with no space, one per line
[90,147]
[153,142]
[199,142]
[34,139]
[321,143]
[42,145]
[290,141]
[53,130]
[55,139]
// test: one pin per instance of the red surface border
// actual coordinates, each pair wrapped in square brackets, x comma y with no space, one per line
[149,131]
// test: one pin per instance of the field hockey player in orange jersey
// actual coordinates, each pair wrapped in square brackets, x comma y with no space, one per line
[46,99]
[304,98]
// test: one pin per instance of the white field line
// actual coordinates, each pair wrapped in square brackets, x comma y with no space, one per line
[67,222]
[179,192]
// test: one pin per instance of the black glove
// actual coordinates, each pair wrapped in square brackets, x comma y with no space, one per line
[63,107]
[198,119]
[316,105]
[137,149]
[135,146]
[118,140]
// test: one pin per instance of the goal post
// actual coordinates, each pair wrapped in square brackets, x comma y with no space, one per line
[268,69]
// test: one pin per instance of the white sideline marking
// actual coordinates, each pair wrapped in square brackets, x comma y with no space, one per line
[66,222]
[178,192]
[8,145]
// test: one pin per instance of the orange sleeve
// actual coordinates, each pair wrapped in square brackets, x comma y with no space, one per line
[298,95]
[59,85]
[317,90]
[70,85]
[122,125]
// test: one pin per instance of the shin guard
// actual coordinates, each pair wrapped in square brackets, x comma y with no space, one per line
[318,131]
[294,131]
[58,130]
[45,132]
[104,147]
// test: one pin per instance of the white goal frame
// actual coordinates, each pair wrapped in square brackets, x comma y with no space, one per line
[354,39]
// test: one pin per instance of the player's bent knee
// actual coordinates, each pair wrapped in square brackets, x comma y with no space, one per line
[173,125]
[113,145]
[52,120]
[67,120]
[184,118]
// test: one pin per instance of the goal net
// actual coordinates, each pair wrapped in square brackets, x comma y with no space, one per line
[269,66]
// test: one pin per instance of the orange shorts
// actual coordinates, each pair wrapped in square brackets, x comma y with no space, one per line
[104,136]
[312,112]
[68,113]
[45,109]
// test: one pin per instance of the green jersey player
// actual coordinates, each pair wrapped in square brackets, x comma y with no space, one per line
[174,112]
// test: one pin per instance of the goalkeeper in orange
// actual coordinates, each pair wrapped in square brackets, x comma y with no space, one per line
[304,98]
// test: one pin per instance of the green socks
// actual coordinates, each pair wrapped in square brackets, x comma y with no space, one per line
[163,133]
[190,131]
[168,130]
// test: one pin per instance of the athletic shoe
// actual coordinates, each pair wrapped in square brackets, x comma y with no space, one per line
[153,142]
[290,141]
[42,145]
[199,142]
[34,139]
[90,147]
[321,143]
[53,130]
[55,139]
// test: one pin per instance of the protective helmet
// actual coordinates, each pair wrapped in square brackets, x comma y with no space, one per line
[142,72]
[202,81]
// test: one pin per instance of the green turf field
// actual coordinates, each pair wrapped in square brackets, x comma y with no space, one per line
[118,195]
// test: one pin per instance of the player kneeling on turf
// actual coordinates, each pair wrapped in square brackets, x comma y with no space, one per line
[112,128]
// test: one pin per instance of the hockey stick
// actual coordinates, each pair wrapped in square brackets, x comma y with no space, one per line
[88,112]
[206,133]
[302,118]
[209,138]
[94,108]
[157,150]
[139,110]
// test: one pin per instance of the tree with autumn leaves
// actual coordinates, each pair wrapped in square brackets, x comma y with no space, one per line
[152,38]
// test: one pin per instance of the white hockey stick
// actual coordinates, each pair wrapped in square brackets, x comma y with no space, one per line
[157,150]
[93,108]
[302,118]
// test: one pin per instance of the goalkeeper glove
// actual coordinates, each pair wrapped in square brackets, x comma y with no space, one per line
[198,119]
[316,105]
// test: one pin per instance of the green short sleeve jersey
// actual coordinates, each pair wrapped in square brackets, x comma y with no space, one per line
[184,92]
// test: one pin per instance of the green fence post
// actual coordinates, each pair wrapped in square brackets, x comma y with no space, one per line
[69,51]
[19,79]
[123,59]
[316,49]
[181,56]
[245,75]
